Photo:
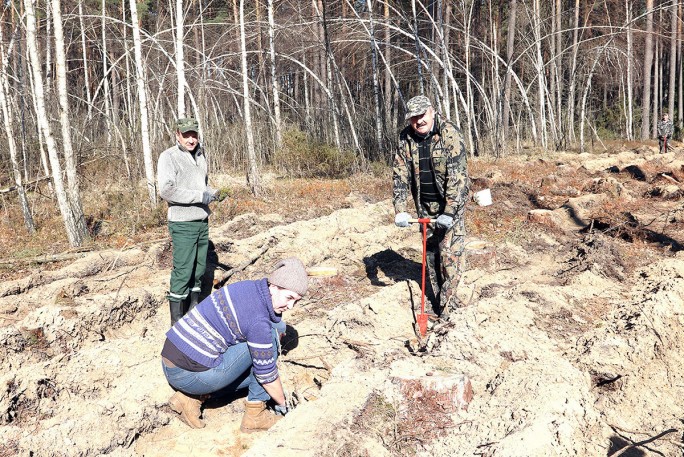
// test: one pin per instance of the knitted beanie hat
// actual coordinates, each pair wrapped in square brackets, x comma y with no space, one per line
[290,274]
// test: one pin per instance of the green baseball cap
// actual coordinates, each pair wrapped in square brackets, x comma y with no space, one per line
[187,124]
[417,106]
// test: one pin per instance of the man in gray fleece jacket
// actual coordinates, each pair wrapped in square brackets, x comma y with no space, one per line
[182,180]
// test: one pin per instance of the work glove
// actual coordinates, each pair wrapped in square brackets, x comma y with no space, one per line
[208,197]
[402,219]
[445,221]
[282,409]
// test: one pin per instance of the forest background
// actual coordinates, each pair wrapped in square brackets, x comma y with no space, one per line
[306,89]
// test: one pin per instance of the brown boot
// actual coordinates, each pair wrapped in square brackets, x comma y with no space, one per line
[188,408]
[257,417]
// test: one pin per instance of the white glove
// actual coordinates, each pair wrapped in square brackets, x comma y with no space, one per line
[208,197]
[445,221]
[402,219]
[282,409]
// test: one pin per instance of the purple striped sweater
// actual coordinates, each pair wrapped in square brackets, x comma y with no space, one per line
[237,313]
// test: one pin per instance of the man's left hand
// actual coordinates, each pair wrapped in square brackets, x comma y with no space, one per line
[445,221]
[282,409]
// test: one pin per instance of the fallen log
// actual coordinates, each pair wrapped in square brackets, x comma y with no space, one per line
[13,188]
[44,258]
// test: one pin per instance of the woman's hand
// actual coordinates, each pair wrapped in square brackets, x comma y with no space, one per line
[275,390]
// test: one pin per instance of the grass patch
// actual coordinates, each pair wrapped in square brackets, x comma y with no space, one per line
[302,157]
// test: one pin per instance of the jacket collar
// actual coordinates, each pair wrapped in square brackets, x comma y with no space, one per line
[198,149]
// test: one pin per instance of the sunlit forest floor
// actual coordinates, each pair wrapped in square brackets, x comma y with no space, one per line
[570,337]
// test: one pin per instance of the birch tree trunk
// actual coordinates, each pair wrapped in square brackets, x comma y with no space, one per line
[673,60]
[259,46]
[142,103]
[86,69]
[657,89]
[308,98]
[552,59]
[320,59]
[648,63]
[510,42]
[455,90]
[316,96]
[541,81]
[329,63]
[469,108]
[180,58]
[498,138]
[573,73]
[128,100]
[630,71]
[416,37]
[326,74]
[44,159]
[20,84]
[389,125]
[680,85]
[48,49]
[73,235]
[252,171]
[559,67]
[444,47]
[274,78]
[8,122]
[73,185]
[376,83]
[105,73]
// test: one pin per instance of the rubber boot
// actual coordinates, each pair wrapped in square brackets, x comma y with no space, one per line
[188,408]
[194,299]
[257,418]
[176,308]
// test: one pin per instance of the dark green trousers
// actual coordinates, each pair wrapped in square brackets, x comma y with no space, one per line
[190,244]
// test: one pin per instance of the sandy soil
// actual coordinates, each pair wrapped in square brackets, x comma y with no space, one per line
[571,339]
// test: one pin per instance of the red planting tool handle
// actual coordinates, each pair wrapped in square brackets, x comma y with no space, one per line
[422,220]
[422,318]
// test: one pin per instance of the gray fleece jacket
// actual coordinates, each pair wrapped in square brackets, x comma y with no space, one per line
[182,180]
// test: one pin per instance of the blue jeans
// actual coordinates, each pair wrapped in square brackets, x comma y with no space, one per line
[233,374]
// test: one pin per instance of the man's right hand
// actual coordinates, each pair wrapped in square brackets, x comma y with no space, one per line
[402,219]
[282,409]
[208,197]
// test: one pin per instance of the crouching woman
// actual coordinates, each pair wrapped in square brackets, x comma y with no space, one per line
[229,342]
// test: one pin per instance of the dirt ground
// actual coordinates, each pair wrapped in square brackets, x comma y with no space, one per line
[571,339]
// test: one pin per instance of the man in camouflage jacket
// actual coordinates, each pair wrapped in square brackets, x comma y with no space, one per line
[665,131]
[430,164]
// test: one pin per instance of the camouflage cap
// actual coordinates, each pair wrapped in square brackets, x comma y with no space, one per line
[187,124]
[416,106]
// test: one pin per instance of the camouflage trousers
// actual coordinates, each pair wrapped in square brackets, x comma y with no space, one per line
[445,264]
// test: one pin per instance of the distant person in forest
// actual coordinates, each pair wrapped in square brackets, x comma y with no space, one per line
[229,342]
[665,131]
[182,180]
[430,164]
